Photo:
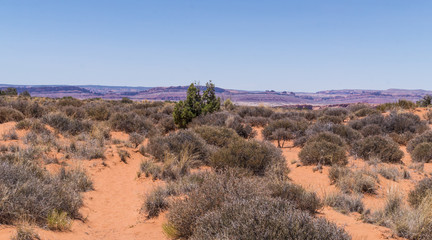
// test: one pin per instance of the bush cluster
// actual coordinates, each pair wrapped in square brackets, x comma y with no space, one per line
[382,148]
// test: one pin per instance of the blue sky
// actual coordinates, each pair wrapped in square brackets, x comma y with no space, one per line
[253,45]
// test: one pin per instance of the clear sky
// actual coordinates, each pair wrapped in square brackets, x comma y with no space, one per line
[287,45]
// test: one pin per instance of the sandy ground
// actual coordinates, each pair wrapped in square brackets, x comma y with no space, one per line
[111,211]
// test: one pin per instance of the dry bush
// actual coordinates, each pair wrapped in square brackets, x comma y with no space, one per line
[344,203]
[347,133]
[136,139]
[428,116]
[420,191]
[257,121]
[402,138]
[98,111]
[10,135]
[337,112]
[10,114]
[375,119]
[361,181]
[248,111]
[132,122]
[30,193]
[225,205]
[75,112]
[176,142]
[327,137]
[383,148]
[25,232]
[366,112]
[67,125]
[124,155]
[425,137]
[90,149]
[391,173]
[217,136]
[330,119]
[422,152]
[293,128]
[252,155]
[324,153]
[155,202]
[370,130]
[404,122]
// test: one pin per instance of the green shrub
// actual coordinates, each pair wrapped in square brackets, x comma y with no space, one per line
[404,122]
[293,128]
[59,221]
[132,122]
[324,153]
[380,147]
[327,137]
[64,124]
[250,111]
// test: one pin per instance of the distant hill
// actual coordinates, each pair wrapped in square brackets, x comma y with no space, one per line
[269,97]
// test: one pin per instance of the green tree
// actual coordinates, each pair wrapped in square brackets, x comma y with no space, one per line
[195,105]
[210,103]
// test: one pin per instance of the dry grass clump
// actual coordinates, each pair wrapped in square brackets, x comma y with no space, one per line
[383,148]
[421,190]
[89,149]
[344,203]
[422,152]
[64,124]
[25,232]
[411,223]
[391,173]
[362,181]
[10,135]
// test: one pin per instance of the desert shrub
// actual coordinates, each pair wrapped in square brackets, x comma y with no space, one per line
[23,124]
[420,191]
[98,112]
[370,130]
[380,147]
[149,168]
[402,138]
[75,112]
[293,128]
[221,202]
[337,172]
[123,154]
[248,154]
[10,114]
[176,142]
[302,199]
[391,173]
[167,124]
[155,202]
[330,119]
[136,139]
[422,152]
[250,111]
[327,137]
[25,232]
[213,119]
[404,122]
[337,112]
[69,101]
[132,122]
[10,135]
[77,179]
[257,121]
[35,110]
[344,203]
[92,149]
[276,219]
[366,112]
[243,130]
[428,116]
[346,132]
[358,182]
[217,136]
[39,193]
[357,106]
[59,221]
[64,124]
[425,137]
[374,119]
[324,153]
